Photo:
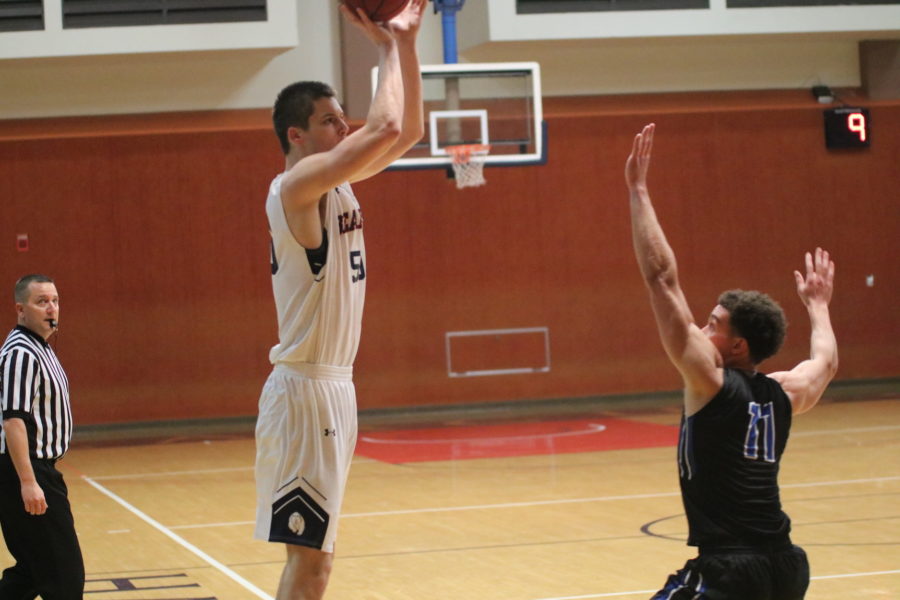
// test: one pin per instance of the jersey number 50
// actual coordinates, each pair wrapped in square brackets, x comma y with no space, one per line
[358,266]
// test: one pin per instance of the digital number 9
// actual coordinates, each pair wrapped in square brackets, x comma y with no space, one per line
[856,122]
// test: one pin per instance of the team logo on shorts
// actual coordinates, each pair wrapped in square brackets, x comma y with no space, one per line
[330,432]
[299,518]
[296,523]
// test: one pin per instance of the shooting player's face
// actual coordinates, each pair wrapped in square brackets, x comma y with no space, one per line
[327,126]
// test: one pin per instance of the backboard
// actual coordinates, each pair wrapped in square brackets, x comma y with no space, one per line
[498,104]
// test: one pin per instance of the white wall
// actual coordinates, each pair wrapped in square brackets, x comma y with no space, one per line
[505,24]
[679,50]
[683,64]
[250,78]
[160,82]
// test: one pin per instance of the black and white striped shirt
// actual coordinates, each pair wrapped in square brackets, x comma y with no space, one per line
[34,388]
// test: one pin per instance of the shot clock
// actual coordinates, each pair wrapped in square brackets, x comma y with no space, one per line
[847,127]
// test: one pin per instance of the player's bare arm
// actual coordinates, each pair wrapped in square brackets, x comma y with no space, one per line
[405,28]
[315,174]
[17,442]
[805,383]
[692,353]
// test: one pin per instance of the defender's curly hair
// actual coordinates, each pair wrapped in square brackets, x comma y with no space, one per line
[758,319]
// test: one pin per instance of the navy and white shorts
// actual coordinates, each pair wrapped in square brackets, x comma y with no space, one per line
[305,437]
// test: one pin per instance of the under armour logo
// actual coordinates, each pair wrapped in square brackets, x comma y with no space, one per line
[330,432]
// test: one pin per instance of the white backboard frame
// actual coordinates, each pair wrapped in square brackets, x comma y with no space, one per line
[442,159]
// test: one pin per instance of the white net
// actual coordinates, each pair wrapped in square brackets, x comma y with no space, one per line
[468,164]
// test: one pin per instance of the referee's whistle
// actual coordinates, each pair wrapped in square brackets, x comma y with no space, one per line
[52,323]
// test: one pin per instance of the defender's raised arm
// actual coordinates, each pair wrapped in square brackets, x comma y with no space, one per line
[688,348]
[805,383]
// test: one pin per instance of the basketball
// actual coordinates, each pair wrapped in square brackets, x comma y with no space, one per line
[378,10]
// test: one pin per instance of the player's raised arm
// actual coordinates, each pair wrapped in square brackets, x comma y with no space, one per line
[805,383]
[686,345]
[320,171]
[405,28]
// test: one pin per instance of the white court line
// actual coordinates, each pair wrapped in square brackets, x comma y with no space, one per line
[223,524]
[508,505]
[171,473]
[593,499]
[839,482]
[643,592]
[596,428]
[848,575]
[413,511]
[185,544]
[607,595]
[592,428]
[854,430]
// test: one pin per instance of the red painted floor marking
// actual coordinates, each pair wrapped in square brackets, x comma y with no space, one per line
[513,439]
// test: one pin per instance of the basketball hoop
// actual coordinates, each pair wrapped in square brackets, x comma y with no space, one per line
[468,163]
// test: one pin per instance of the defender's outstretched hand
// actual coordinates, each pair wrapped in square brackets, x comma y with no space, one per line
[638,162]
[805,383]
[818,284]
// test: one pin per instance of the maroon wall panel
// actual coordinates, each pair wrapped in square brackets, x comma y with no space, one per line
[158,244]
[741,194]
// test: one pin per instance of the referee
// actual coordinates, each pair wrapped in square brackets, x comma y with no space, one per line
[37,425]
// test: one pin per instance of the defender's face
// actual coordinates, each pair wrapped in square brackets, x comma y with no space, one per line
[41,306]
[718,330]
[327,126]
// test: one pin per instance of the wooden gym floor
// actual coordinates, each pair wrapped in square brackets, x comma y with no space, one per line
[527,507]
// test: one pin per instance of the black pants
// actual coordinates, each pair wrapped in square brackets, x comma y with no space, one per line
[740,575]
[45,547]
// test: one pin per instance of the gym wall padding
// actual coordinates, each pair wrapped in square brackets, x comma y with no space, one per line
[153,227]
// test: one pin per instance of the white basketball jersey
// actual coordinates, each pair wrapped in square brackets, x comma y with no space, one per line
[319,306]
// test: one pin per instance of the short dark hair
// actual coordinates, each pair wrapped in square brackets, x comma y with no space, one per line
[21,292]
[758,319]
[294,107]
